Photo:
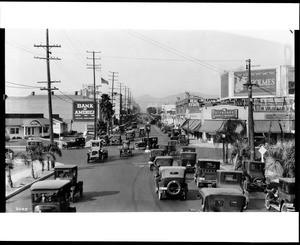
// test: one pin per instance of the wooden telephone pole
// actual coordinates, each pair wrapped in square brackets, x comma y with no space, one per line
[94,66]
[49,89]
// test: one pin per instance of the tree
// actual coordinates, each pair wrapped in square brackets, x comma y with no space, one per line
[233,132]
[151,110]
[50,152]
[7,137]
[9,155]
[106,109]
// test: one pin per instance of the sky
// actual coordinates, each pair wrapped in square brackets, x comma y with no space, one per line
[157,62]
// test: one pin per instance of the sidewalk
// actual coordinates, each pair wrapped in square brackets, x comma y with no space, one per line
[22,179]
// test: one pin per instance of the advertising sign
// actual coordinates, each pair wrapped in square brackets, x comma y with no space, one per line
[265,81]
[83,111]
[224,114]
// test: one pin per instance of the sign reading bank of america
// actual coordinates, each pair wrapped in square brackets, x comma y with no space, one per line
[83,111]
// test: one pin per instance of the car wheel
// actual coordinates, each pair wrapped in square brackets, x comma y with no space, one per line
[245,185]
[267,202]
[88,158]
[246,205]
[173,188]
[160,195]
[102,158]
[73,196]
[81,191]
[283,208]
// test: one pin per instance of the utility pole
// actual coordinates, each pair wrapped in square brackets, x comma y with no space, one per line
[250,112]
[120,122]
[94,66]
[112,95]
[49,89]
[125,107]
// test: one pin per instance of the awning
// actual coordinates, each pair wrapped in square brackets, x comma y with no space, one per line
[287,126]
[191,124]
[211,126]
[266,126]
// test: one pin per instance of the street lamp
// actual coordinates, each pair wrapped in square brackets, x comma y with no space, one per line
[223,139]
[147,130]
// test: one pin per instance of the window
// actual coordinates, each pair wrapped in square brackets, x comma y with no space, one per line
[45,130]
[14,131]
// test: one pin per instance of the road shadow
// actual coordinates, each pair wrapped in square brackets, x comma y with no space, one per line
[85,167]
[91,196]
[193,195]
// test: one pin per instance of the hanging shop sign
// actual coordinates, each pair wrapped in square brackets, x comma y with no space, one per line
[224,114]
[83,111]
[264,80]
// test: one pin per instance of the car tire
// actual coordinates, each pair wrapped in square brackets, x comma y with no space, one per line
[173,188]
[246,205]
[73,196]
[81,191]
[283,207]
[245,184]
[160,195]
[267,202]
[88,159]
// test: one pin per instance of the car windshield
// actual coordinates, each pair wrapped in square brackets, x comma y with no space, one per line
[45,197]
[64,174]
[157,153]
[212,165]
[228,177]
[255,166]
[163,162]
[95,144]
[188,156]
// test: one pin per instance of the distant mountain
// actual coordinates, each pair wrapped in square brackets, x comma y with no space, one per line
[147,100]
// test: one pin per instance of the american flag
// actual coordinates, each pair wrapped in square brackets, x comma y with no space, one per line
[104,81]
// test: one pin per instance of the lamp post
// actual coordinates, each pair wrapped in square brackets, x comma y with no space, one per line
[147,130]
[223,139]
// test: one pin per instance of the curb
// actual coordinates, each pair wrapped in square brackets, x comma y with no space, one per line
[27,186]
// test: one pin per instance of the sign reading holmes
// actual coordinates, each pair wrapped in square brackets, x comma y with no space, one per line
[264,79]
[83,111]
[224,114]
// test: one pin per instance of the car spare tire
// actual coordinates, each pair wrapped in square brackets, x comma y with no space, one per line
[173,188]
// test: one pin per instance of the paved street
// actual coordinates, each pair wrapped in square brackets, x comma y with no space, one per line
[125,184]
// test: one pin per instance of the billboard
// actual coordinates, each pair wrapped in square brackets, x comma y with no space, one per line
[224,114]
[83,111]
[264,80]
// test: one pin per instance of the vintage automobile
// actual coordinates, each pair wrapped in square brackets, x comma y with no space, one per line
[32,144]
[115,139]
[51,196]
[232,180]
[105,139]
[172,148]
[188,149]
[142,132]
[206,172]
[140,145]
[74,143]
[97,152]
[221,200]
[69,172]
[188,160]
[126,149]
[254,178]
[152,142]
[134,125]
[171,182]
[160,161]
[130,135]
[153,154]
[183,140]
[281,196]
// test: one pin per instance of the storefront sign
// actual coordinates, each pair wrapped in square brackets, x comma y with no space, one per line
[265,81]
[224,114]
[83,111]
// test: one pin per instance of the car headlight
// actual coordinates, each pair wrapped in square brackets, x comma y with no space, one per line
[201,178]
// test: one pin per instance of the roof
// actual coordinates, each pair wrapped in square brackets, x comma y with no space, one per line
[49,184]
[167,170]
[65,166]
[208,160]
[211,126]
[163,157]
[220,191]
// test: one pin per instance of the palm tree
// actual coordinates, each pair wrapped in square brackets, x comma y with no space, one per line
[232,133]
[106,109]
[32,155]
[9,155]
[50,152]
